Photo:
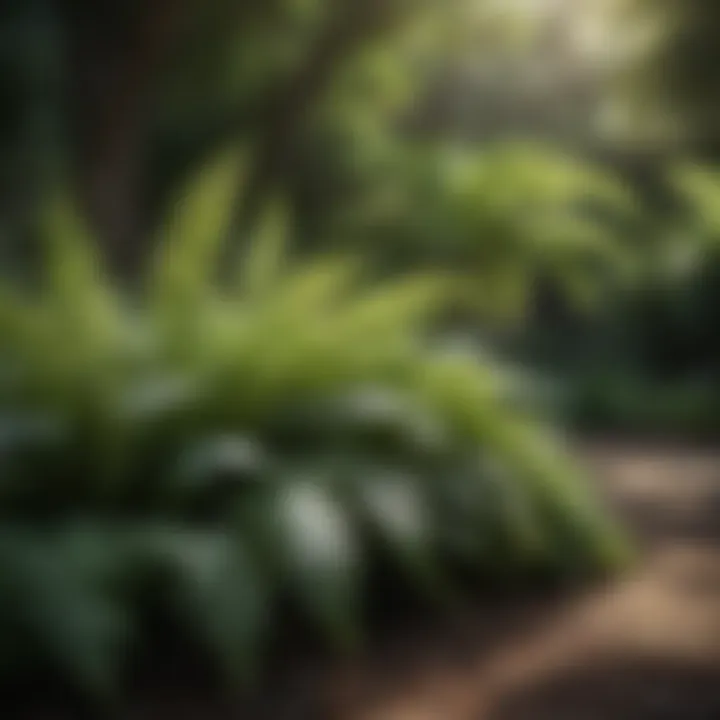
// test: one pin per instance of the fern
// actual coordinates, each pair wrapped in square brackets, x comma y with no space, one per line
[248,444]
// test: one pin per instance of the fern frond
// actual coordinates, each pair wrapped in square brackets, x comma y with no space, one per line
[184,270]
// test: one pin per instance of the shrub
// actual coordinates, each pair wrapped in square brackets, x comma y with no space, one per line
[222,447]
[502,218]
[621,401]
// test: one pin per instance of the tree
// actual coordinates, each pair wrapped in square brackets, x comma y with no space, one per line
[150,89]
[672,85]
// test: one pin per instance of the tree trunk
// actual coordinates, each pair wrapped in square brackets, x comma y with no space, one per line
[116,50]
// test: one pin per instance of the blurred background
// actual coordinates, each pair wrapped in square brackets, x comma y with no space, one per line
[204,404]
[526,140]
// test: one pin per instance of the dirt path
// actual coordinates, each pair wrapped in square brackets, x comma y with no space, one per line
[646,647]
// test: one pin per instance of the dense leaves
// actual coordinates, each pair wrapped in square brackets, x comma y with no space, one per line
[227,447]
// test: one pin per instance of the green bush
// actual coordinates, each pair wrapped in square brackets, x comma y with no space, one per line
[655,341]
[222,447]
[624,402]
[502,218]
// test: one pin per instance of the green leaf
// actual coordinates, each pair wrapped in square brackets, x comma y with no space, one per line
[155,398]
[382,419]
[262,267]
[399,306]
[78,293]
[319,556]
[184,270]
[396,509]
[218,461]
[73,265]
[465,516]
[56,590]
[220,595]
[700,187]
[315,287]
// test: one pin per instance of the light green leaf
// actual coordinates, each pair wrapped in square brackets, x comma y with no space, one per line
[262,266]
[184,270]
[78,292]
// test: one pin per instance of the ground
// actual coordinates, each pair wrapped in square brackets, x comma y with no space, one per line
[642,647]
[645,647]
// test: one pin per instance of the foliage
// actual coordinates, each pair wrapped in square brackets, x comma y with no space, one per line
[672,313]
[504,218]
[670,85]
[222,447]
[134,97]
[622,402]
[649,363]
